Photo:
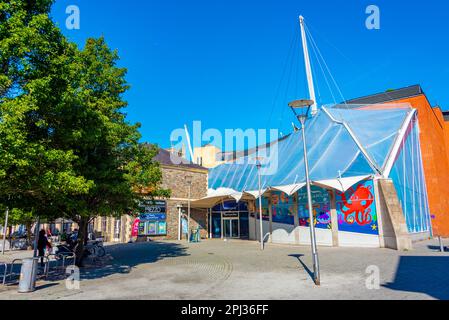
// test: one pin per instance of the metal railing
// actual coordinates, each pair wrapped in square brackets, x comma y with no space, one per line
[11,269]
[8,275]
[58,257]
[71,255]
[46,265]
[5,272]
[63,257]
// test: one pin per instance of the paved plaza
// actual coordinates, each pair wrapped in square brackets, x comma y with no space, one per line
[217,269]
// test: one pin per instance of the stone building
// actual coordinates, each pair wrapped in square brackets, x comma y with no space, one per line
[162,220]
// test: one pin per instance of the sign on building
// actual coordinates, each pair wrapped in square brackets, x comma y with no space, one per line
[153,218]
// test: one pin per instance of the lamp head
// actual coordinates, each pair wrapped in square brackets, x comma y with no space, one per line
[301,103]
[301,108]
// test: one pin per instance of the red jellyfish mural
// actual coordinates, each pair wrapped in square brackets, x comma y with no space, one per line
[357,207]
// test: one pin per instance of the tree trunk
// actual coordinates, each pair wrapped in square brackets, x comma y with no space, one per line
[82,234]
[9,237]
[28,227]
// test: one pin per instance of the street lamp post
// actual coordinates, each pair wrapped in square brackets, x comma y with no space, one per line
[5,228]
[36,236]
[305,105]
[259,165]
[189,182]
[179,207]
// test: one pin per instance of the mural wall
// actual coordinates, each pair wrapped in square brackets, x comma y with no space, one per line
[356,209]
[265,213]
[321,208]
[283,208]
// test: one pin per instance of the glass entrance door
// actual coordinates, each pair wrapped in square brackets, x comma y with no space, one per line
[235,230]
[231,228]
[226,228]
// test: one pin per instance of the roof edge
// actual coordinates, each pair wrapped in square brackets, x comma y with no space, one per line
[392,95]
[397,144]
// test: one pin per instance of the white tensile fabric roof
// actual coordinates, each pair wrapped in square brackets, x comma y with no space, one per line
[346,144]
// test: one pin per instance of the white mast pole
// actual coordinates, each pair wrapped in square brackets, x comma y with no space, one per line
[192,159]
[308,67]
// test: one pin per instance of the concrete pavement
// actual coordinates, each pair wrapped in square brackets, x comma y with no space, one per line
[217,269]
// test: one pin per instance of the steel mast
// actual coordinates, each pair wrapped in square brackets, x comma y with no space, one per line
[309,74]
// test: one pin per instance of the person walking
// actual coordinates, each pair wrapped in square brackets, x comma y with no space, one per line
[42,244]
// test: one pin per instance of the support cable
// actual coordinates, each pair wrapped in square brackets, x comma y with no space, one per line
[278,89]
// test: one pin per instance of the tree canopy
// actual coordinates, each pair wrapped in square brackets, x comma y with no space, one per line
[33,58]
[66,147]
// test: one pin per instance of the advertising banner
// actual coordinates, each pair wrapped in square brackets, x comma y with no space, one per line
[153,218]
[135,228]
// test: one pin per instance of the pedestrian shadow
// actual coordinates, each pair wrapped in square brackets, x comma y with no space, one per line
[423,274]
[45,286]
[125,257]
[298,256]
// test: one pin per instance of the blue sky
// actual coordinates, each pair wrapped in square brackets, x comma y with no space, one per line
[221,61]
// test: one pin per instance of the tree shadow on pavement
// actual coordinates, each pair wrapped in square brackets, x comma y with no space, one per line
[125,257]
[425,274]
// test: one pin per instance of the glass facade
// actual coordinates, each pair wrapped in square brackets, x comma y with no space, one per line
[408,177]
[343,142]
[229,219]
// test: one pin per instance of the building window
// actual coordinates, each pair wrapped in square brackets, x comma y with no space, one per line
[53,229]
[67,227]
[104,224]
[117,228]
[90,227]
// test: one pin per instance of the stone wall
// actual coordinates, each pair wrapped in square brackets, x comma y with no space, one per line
[197,218]
[394,228]
[107,227]
[176,179]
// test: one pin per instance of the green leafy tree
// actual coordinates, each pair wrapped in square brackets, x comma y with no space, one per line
[106,146]
[67,149]
[33,55]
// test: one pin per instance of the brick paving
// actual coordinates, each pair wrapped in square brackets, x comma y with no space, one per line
[217,269]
